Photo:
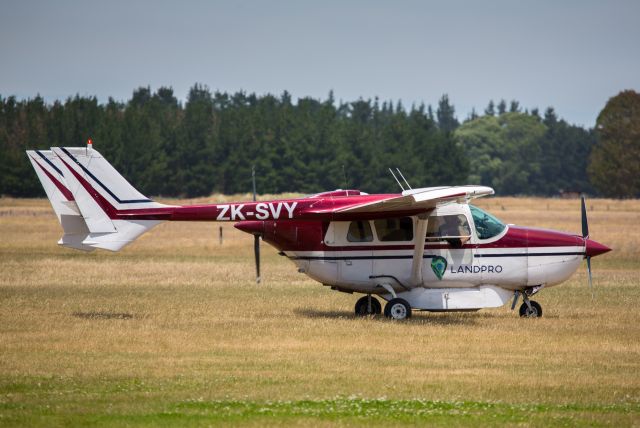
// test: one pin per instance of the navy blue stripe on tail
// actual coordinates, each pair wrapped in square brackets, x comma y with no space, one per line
[49,162]
[106,189]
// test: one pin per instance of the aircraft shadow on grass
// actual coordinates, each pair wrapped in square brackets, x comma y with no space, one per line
[459,319]
[96,315]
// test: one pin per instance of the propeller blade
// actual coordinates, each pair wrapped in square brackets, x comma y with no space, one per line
[585,224]
[585,235]
[256,252]
[256,238]
[590,280]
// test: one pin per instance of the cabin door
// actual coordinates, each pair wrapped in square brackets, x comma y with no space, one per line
[449,257]
[355,262]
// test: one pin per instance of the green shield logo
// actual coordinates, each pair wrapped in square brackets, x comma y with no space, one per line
[439,265]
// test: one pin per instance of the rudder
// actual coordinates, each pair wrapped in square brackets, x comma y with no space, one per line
[48,168]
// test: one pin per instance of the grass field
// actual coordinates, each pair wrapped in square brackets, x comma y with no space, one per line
[173,330]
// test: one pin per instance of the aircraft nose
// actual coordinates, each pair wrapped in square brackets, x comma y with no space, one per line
[593,248]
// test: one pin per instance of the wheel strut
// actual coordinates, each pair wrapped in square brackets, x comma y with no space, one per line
[527,301]
[516,295]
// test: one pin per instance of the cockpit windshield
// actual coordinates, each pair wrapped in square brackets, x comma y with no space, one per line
[487,226]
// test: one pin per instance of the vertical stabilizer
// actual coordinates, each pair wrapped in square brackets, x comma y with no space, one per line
[94,214]
[49,170]
[113,210]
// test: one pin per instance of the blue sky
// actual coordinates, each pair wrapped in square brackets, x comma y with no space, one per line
[572,55]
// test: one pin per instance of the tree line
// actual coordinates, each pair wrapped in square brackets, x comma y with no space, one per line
[211,142]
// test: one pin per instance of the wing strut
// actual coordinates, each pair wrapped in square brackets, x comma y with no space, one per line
[418,250]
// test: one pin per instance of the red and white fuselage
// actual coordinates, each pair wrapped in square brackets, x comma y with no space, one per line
[478,273]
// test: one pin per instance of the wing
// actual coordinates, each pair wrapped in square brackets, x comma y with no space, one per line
[418,199]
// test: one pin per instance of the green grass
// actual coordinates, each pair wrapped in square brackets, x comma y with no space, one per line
[345,411]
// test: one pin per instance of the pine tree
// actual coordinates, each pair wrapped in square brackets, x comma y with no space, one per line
[447,121]
[490,110]
[502,107]
[473,115]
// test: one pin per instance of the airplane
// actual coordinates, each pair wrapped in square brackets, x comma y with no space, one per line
[424,249]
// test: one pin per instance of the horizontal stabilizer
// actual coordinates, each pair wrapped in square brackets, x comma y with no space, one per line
[128,231]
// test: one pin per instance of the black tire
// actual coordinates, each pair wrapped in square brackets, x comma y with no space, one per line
[397,309]
[526,313]
[362,306]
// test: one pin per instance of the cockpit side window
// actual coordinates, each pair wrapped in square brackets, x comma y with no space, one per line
[487,226]
[359,231]
[448,227]
[394,229]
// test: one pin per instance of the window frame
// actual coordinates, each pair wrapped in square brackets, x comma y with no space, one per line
[383,241]
[441,238]
[371,235]
[495,237]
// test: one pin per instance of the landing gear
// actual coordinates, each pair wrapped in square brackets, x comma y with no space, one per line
[368,305]
[397,309]
[530,309]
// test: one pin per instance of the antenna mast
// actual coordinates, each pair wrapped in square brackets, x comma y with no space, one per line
[396,178]
[405,180]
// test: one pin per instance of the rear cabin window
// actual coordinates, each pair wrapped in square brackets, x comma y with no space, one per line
[394,229]
[359,231]
[447,226]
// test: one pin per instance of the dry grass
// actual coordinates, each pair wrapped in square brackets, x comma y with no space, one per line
[177,316]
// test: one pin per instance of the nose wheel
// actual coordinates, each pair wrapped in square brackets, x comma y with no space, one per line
[368,305]
[530,309]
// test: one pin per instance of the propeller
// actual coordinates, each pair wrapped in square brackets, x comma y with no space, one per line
[585,236]
[256,252]
[256,238]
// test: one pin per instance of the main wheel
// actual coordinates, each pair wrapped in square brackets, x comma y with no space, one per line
[534,312]
[362,306]
[397,309]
